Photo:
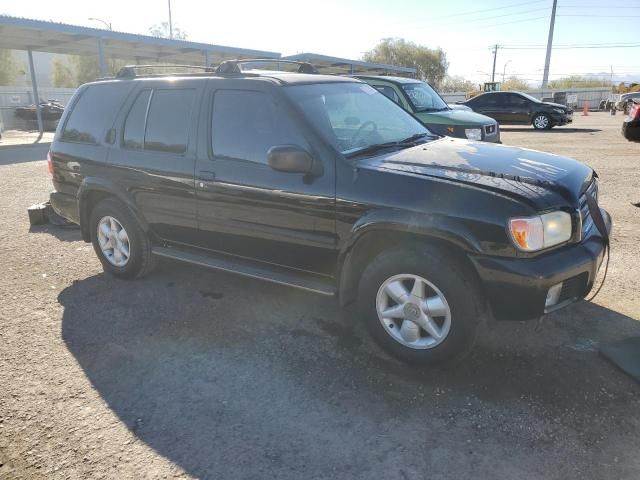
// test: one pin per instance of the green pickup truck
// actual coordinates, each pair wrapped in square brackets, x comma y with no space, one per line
[425,104]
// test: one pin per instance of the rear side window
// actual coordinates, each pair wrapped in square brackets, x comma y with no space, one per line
[93,113]
[159,120]
[168,120]
[133,136]
[246,124]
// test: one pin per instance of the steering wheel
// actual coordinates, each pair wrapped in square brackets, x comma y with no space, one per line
[356,136]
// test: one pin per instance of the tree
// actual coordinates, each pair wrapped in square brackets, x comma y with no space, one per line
[514,83]
[430,64]
[75,70]
[9,67]
[456,84]
[162,30]
[574,81]
[62,74]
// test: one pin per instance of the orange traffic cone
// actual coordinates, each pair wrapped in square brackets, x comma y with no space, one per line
[585,110]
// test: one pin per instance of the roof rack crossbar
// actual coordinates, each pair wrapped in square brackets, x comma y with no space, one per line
[233,66]
[129,71]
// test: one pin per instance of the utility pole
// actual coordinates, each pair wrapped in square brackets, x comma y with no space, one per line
[547,60]
[495,56]
[171,23]
[611,77]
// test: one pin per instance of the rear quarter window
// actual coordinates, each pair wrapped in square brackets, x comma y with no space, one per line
[93,113]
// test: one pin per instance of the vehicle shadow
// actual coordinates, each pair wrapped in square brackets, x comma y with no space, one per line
[228,377]
[65,233]
[31,152]
[553,130]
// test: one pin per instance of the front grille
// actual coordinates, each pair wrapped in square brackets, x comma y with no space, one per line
[585,215]
[573,287]
[490,129]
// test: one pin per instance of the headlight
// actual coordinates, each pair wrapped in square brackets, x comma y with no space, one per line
[535,233]
[559,110]
[473,133]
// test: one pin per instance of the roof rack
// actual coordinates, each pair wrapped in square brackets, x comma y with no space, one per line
[233,66]
[129,71]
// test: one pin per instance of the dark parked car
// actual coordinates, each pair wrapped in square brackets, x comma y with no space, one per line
[321,183]
[631,124]
[516,108]
[626,101]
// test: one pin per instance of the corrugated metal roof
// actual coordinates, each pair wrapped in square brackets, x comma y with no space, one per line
[343,65]
[43,36]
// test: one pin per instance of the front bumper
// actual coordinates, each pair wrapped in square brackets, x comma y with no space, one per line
[517,287]
[559,119]
[631,130]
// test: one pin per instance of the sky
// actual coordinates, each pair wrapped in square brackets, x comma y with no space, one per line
[464,29]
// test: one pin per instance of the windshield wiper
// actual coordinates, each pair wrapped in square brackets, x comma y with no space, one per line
[376,147]
[432,109]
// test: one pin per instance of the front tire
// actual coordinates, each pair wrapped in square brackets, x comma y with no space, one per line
[421,304]
[542,121]
[121,245]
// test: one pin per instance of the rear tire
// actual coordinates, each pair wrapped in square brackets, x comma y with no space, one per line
[450,301]
[542,121]
[122,247]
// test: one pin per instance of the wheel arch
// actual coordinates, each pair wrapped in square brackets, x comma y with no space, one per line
[368,242]
[93,190]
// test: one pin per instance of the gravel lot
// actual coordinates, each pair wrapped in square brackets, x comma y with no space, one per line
[193,373]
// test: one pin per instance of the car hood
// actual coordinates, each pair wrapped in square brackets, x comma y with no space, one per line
[455,117]
[556,105]
[543,178]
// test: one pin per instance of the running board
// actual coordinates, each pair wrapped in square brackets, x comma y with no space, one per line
[261,271]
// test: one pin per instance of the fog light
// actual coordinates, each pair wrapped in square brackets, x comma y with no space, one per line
[553,295]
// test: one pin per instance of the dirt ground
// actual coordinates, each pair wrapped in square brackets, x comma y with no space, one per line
[191,373]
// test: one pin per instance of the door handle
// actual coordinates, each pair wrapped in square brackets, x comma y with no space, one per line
[207,176]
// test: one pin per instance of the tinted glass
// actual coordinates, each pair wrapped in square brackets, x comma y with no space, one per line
[353,116]
[246,124]
[93,113]
[388,92]
[487,101]
[168,120]
[517,101]
[133,136]
[424,98]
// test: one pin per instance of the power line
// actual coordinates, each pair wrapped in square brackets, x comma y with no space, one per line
[516,45]
[598,16]
[515,21]
[574,47]
[489,9]
[608,7]
[414,26]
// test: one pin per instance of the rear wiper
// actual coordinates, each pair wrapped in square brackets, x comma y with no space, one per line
[376,147]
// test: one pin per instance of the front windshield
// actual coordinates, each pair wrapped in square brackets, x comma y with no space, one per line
[354,116]
[424,98]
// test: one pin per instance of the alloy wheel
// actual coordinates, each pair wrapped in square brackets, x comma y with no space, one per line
[413,311]
[114,241]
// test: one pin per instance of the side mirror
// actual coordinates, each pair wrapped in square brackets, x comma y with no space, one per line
[292,159]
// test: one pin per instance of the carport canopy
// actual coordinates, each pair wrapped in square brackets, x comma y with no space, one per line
[345,66]
[42,36]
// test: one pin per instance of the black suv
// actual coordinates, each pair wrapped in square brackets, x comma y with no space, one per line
[516,108]
[322,183]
